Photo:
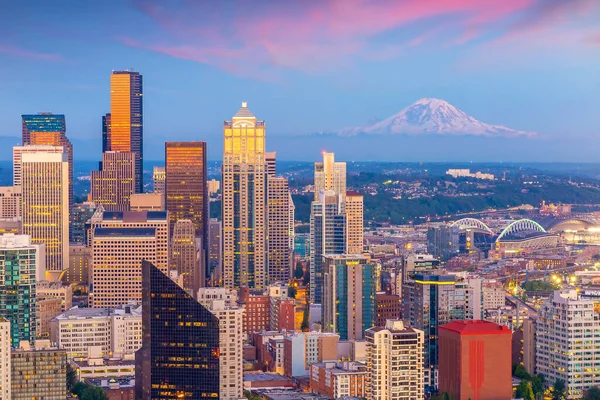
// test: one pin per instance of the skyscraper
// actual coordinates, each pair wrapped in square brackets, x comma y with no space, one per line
[18,267]
[125,130]
[45,187]
[49,129]
[330,175]
[158,178]
[185,186]
[114,184]
[215,268]
[394,362]
[179,357]
[244,201]
[185,256]
[106,133]
[349,288]
[278,210]
[327,228]
[354,222]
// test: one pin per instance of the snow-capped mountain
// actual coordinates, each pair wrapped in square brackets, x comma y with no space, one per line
[433,116]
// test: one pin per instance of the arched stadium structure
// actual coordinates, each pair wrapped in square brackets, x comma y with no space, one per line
[474,235]
[524,234]
[577,230]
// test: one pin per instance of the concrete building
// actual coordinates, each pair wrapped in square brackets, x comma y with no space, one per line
[244,206]
[186,256]
[5,370]
[112,186]
[80,263]
[45,186]
[394,362]
[215,267]
[158,179]
[330,175]
[115,331]
[59,290]
[208,294]
[147,202]
[349,288]
[10,202]
[278,243]
[11,225]
[475,360]
[97,365]
[38,372]
[48,307]
[529,344]
[339,380]
[301,349]
[387,306]
[354,222]
[567,329]
[493,294]
[213,186]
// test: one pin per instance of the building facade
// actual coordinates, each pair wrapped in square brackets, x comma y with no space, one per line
[10,202]
[244,201]
[387,306]
[354,222]
[302,349]
[215,267]
[5,370]
[185,256]
[278,211]
[339,380]
[113,185]
[330,175]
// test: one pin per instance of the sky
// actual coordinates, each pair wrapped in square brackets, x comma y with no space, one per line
[309,66]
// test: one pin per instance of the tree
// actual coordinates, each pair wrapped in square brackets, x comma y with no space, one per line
[559,390]
[537,384]
[299,272]
[93,393]
[593,393]
[71,377]
[292,291]
[305,326]
[521,372]
[524,391]
[78,388]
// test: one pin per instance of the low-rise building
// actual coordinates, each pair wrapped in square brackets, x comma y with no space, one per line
[301,349]
[338,380]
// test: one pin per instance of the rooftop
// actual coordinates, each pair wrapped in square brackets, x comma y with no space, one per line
[116,232]
[244,112]
[263,376]
[475,327]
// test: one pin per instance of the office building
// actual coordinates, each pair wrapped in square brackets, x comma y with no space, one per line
[271,163]
[115,332]
[292,223]
[48,307]
[5,370]
[147,202]
[529,344]
[38,372]
[177,328]
[80,214]
[429,302]
[113,185]
[302,349]
[328,237]
[387,306]
[475,360]
[443,241]
[60,290]
[18,158]
[493,294]
[278,243]
[45,171]
[213,186]
[394,362]
[567,328]
[339,380]
[10,202]
[349,288]
[50,130]
[354,222]
[18,273]
[126,129]
[80,262]
[185,256]
[215,270]
[158,179]
[244,201]
[231,346]
[330,175]
[106,146]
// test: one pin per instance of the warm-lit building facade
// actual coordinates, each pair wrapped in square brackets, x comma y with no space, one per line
[354,222]
[5,371]
[387,306]
[114,184]
[278,243]
[330,175]
[147,202]
[244,201]
[80,262]
[45,186]
[158,179]
[185,257]
[475,360]
[187,335]
[47,308]
[301,349]
[126,119]
[338,380]
[10,202]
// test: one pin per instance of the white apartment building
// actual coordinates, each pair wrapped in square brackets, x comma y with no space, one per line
[116,331]
[5,374]
[394,362]
[493,294]
[567,342]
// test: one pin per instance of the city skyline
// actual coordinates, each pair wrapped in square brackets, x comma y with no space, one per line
[528,65]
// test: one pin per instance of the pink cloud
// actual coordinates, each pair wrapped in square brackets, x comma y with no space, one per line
[28,54]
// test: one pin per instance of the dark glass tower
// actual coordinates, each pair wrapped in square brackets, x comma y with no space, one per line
[179,358]
[105,133]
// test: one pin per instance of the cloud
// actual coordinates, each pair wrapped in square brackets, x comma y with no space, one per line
[29,54]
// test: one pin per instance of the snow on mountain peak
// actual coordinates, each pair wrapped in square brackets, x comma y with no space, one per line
[433,116]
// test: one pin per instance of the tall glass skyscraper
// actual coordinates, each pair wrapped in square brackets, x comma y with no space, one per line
[125,131]
[179,358]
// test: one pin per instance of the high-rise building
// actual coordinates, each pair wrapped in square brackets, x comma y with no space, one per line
[327,228]
[231,349]
[158,179]
[271,162]
[38,372]
[567,329]
[80,214]
[349,288]
[113,185]
[46,204]
[80,264]
[106,133]
[330,175]
[185,188]
[215,269]
[475,360]
[18,154]
[49,129]
[244,201]
[10,202]
[387,306]
[126,129]
[429,302]
[529,342]
[443,241]
[394,362]
[185,256]
[354,222]
[292,217]
[5,372]
[278,243]
[179,357]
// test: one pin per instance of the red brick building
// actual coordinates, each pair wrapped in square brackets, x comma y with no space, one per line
[257,310]
[387,307]
[337,380]
[475,360]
